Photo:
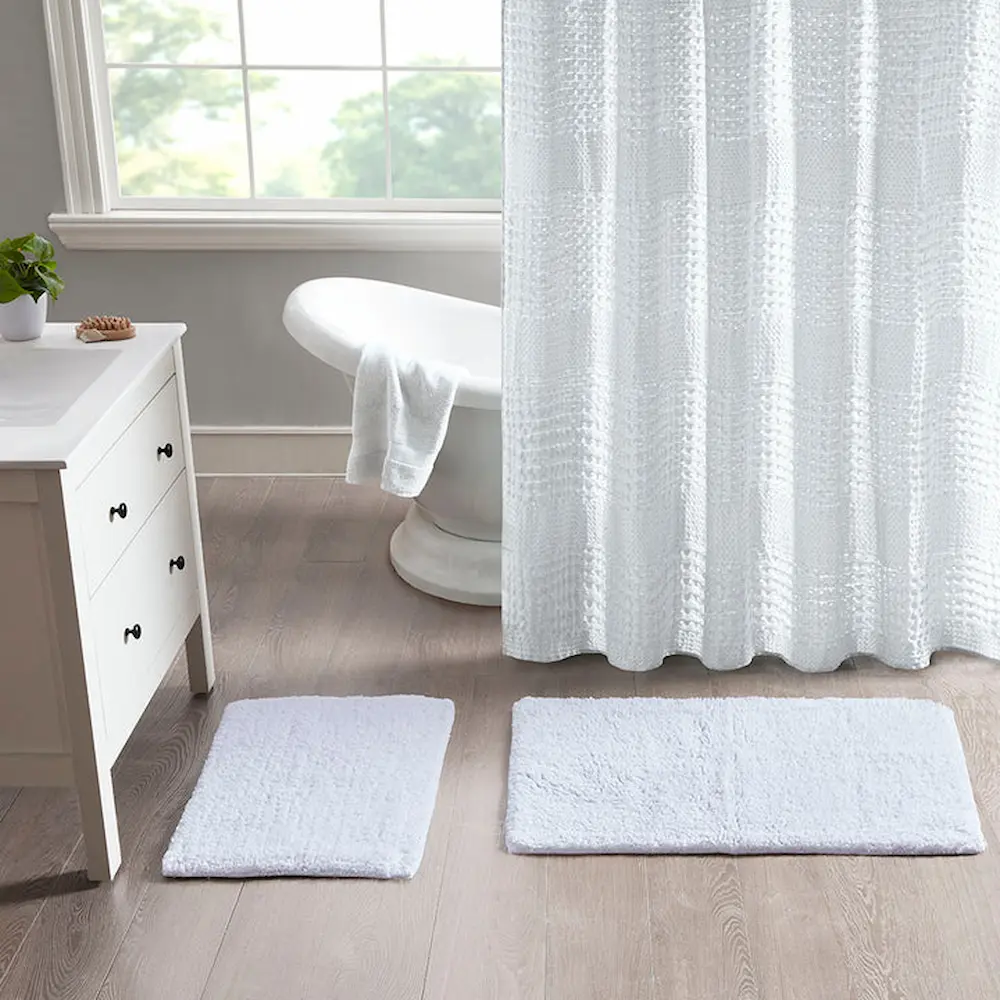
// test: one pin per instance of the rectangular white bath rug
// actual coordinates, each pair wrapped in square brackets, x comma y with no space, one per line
[738,776]
[315,786]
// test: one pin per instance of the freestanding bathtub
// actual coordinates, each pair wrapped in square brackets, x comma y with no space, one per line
[449,542]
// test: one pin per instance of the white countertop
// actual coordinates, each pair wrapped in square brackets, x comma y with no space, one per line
[54,391]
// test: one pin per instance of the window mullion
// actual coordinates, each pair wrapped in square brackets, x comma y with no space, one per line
[385,103]
[297,67]
[245,73]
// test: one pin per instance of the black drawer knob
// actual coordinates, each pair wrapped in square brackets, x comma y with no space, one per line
[177,563]
[121,510]
[167,449]
[135,631]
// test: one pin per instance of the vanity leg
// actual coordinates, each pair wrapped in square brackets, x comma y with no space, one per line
[201,665]
[100,822]
[91,768]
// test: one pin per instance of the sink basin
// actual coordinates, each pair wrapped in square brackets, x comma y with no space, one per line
[37,387]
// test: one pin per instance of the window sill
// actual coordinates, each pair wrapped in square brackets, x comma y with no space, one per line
[379,231]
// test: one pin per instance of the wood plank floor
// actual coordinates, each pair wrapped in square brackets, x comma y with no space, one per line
[304,601]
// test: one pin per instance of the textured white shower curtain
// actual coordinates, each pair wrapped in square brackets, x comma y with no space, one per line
[751,329]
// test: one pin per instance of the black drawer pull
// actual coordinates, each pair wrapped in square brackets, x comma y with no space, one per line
[167,449]
[135,631]
[121,510]
[177,563]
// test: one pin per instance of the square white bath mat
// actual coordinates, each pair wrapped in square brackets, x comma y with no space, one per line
[315,786]
[738,776]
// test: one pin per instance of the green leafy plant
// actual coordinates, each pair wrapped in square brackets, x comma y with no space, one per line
[28,267]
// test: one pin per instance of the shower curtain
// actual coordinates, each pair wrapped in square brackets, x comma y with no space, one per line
[751,329]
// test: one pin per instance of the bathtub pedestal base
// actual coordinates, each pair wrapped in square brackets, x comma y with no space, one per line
[465,570]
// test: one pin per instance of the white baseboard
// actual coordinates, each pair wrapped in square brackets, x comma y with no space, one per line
[271,451]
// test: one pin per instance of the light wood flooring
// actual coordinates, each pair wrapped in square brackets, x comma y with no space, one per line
[304,601]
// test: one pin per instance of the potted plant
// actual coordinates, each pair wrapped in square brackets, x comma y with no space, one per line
[28,279]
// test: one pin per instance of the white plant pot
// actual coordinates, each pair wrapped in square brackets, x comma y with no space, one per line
[24,318]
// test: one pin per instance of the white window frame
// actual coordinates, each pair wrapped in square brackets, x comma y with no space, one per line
[95,218]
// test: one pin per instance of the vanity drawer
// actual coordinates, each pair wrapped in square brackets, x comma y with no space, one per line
[118,495]
[147,596]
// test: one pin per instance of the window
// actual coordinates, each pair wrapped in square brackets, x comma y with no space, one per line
[308,111]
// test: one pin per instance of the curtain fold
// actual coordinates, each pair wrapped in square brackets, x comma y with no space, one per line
[751,323]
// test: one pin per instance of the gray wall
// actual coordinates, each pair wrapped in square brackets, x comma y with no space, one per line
[243,369]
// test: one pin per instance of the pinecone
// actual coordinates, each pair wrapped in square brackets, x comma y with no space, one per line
[95,328]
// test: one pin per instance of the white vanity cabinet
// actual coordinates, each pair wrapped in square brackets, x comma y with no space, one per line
[101,570]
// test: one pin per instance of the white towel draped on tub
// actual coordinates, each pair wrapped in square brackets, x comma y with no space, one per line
[402,407]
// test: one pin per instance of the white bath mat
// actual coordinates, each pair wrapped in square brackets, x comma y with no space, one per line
[738,776]
[315,786]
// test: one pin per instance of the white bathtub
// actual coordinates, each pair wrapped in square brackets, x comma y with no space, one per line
[449,543]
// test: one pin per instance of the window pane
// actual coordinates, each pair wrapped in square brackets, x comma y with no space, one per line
[445,133]
[452,32]
[313,32]
[180,132]
[318,134]
[171,31]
